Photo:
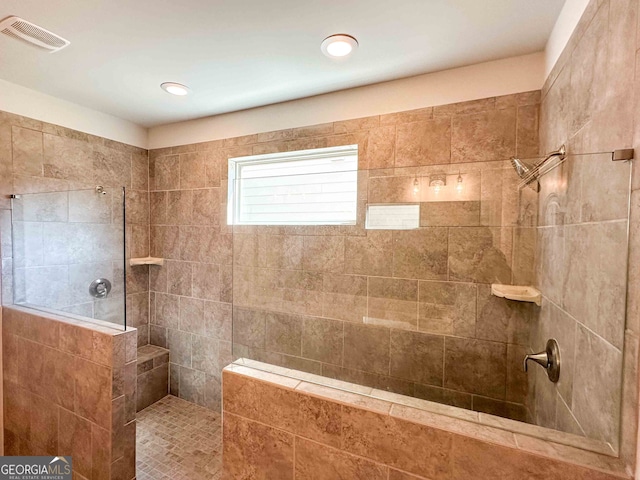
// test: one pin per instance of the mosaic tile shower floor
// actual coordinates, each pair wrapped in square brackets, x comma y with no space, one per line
[177,440]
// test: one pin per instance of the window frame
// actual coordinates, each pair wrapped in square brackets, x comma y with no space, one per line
[236,164]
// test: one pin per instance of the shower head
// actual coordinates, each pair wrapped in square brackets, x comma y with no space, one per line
[521,168]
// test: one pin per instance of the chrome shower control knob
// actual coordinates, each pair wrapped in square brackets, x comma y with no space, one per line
[100,288]
[549,360]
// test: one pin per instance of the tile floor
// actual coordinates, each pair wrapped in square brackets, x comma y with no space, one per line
[177,440]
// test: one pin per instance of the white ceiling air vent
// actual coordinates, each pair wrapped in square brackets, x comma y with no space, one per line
[20,29]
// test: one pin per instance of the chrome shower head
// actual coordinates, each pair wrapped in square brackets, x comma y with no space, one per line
[521,168]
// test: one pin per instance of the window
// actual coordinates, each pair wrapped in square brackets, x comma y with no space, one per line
[307,187]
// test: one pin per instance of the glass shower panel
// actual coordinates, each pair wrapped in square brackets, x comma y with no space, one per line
[68,253]
[402,303]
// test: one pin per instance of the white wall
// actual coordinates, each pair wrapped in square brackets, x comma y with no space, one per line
[564,27]
[30,103]
[500,77]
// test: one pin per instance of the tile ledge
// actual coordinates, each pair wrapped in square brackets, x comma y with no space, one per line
[482,432]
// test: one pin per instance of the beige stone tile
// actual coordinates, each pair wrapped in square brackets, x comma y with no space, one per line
[283,333]
[281,251]
[450,214]
[420,253]
[324,254]
[93,392]
[344,297]
[369,255]
[206,281]
[322,340]
[392,189]
[140,171]
[218,320]
[253,449]
[511,410]
[67,159]
[596,388]
[167,310]
[527,133]
[301,291]
[75,437]
[164,242]
[206,207]
[475,366]
[594,273]
[485,136]
[164,172]
[179,277]
[249,327]
[345,397]
[480,254]
[27,151]
[313,130]
[382,147]
[417,357]
[398,475]
[409,116]
[192,170]
[502,320]
[366,348]
[192,315]
[318,462]
[598,202]
[447,308]
[393,302]
[423,143]
[443,396]
[179,207]
[100,453]
[589,64]
[192,385]
[398,443]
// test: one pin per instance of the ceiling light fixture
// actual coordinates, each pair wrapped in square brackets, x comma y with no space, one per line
[175,88]
[339,45]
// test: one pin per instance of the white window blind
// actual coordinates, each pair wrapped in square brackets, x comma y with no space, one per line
[307,187]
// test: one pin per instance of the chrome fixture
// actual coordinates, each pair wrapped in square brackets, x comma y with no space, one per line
[100,288]
[100,189]
[530,174]
[549,359]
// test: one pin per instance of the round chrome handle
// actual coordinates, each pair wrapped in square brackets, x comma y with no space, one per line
[100,288]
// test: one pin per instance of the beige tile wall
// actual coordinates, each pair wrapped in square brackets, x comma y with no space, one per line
[70,389]
[37,157]
[408,311]
[284,428]
[581,239]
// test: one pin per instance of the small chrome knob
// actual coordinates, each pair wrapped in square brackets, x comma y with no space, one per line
[549,360]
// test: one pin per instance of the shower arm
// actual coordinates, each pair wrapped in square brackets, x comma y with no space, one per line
[535,172]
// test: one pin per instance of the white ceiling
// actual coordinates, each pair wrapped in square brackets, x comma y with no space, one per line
[246,53]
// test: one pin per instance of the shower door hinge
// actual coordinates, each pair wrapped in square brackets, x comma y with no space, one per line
[14,196]
[622,155]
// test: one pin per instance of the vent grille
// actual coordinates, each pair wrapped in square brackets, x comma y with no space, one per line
[20,29]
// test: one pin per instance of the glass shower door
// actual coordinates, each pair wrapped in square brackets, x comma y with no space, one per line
[69,253]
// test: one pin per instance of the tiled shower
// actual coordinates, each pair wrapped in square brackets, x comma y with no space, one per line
[402,315]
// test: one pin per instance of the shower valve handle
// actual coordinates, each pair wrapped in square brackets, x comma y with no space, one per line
[541,358]
[549,360]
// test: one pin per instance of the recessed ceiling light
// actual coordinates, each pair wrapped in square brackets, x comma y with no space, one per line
[338,45]
[175,88]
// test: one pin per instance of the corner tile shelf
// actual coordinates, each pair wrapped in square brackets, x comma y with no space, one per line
[517,293]
[146,261]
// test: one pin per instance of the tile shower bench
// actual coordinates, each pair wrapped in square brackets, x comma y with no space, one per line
[153,375]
